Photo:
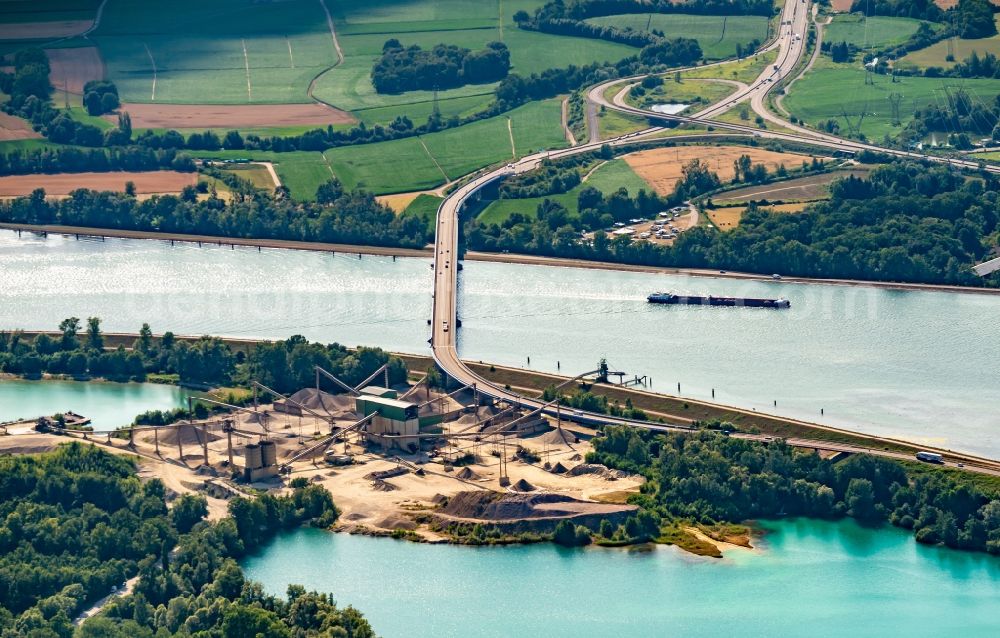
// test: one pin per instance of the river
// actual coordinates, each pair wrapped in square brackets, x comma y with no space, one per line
[915,365]
[809,578]
[108,405]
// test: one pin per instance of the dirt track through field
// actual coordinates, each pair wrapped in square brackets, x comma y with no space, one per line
[72,68]
[237,116]
[663,167]
[152,63]
[246,65]
[65,183]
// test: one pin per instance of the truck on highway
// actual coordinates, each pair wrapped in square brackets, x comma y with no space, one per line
[929,457]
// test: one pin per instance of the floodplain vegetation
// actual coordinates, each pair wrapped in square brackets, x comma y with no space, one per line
[78,524]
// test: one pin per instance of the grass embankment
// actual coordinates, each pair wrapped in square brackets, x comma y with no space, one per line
[745,70]
[698,93]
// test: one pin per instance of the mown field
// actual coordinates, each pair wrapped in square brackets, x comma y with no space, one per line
[607,178]
[875,32]
[420,163]
[301,171]
[937,54]
[745,70]
[832,89]
[208,53]
[47,10]
[717,35]
[363,28]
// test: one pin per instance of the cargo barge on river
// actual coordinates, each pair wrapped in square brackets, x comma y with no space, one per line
[696,300]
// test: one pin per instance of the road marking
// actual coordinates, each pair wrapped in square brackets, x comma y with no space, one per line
[152,97]
[246,64]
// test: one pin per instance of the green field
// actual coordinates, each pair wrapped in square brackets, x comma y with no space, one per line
[937,54]
[47,10]
[717,35]
[198,50]
[420,163]
[875,32]
[301,171]
[830,89]
[697,92]
[363,28]
[607,178]
[425,207]
[745,70]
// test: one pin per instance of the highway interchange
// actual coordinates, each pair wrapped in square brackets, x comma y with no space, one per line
[793,23]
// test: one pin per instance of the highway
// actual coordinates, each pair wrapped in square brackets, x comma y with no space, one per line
[445,290]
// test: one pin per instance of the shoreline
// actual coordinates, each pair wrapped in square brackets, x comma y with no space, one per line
[503,258]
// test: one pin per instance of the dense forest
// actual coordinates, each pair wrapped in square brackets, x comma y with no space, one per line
[905,222]
[287,366]
[348,217]
[445,66]
[77,521]
[708,477]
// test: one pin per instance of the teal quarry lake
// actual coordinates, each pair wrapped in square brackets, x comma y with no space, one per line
[807,578]
[108,405]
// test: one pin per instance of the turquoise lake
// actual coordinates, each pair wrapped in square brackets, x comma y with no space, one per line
[807,578]
[914,365]
[109,405]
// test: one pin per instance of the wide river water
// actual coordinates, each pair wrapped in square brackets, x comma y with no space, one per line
[809,578]
[916,365]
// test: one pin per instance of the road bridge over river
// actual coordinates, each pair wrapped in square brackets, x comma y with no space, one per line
[444,322]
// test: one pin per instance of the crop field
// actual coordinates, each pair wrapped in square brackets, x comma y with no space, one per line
[425,207]
[48,10]
[607,178]
[808,188]
[874,32]
[936,54]
[662,167]
[64,183]
[726,219]
[829,91]
[362,29]
[222,52]
[717,35]
[412,164]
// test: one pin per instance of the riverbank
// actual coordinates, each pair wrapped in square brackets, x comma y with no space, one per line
[504,258]
[676,409]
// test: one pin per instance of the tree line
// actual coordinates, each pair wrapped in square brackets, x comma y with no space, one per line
[583,9]
[76,521]
[354,217]
[445,66]
[68,159]
[287,366]
[905,222]
[709,477]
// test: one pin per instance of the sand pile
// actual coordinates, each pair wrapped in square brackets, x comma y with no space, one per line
[558,468]
[186,433]
[523,486]
[439,499]
[558,436]
[206,470]
[468,474]
[596,468]
[322,401]
[576,457]
[383,486]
